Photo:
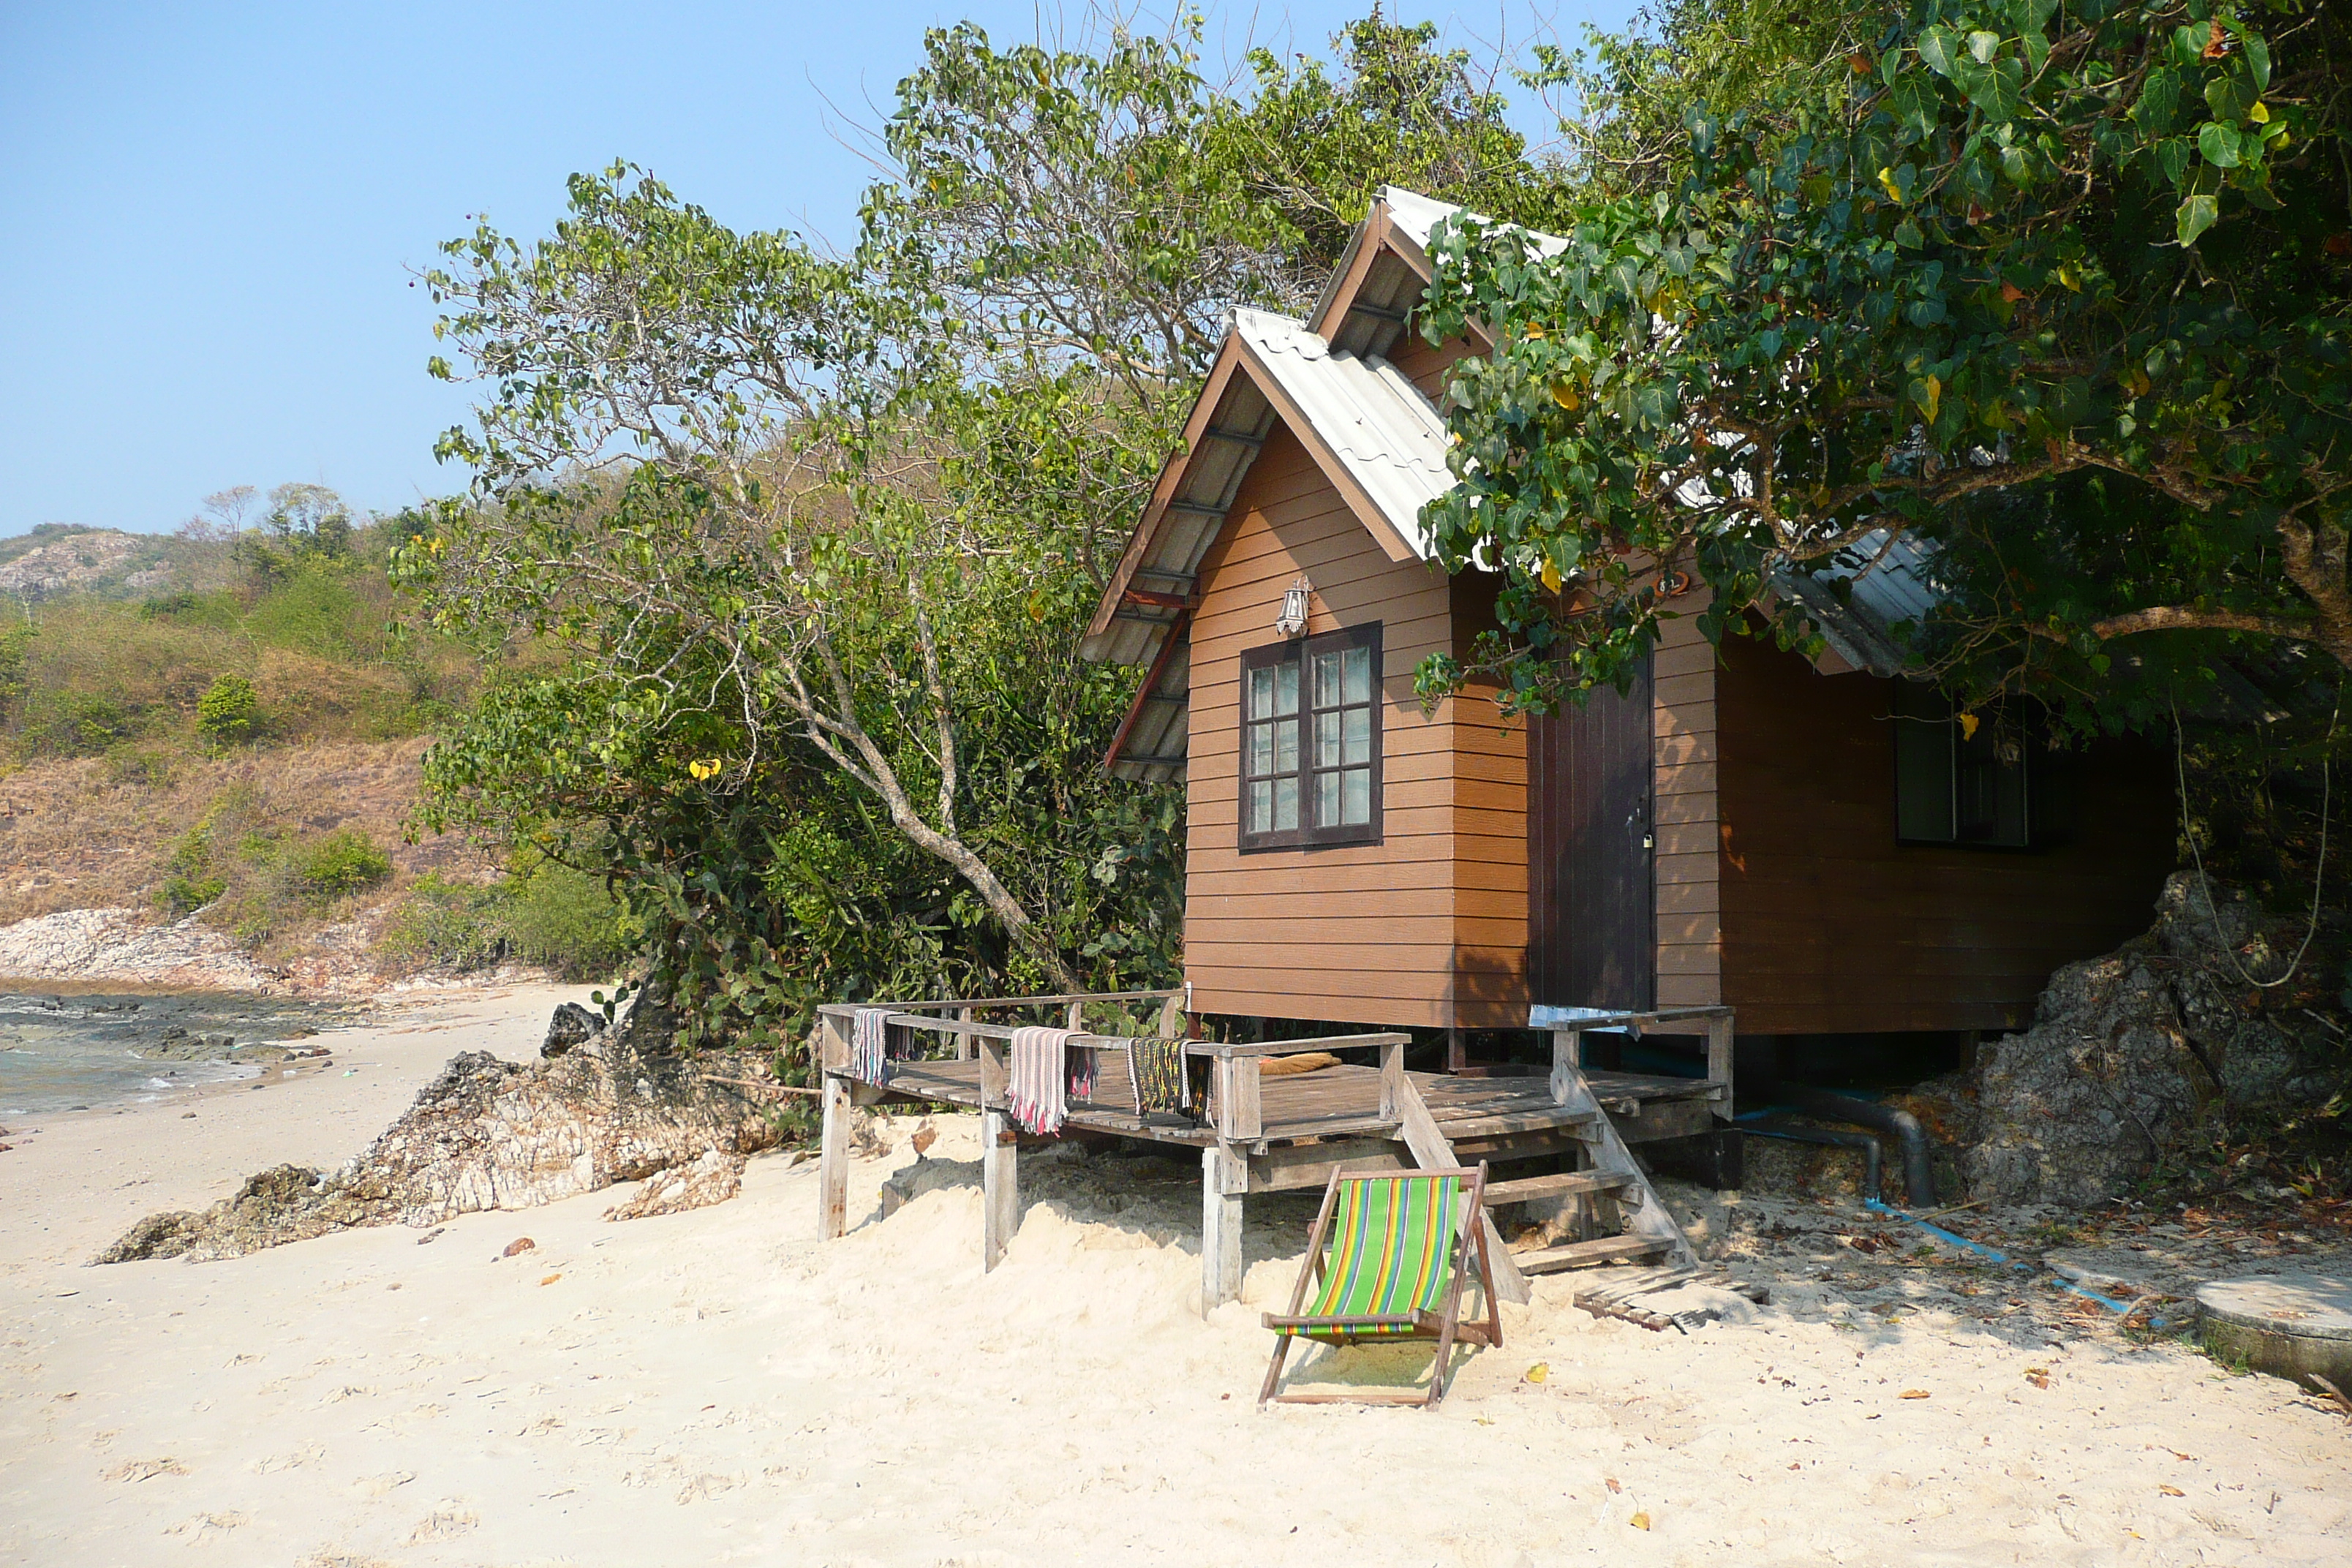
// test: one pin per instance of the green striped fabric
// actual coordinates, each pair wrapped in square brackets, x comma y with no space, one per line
[1390,1252]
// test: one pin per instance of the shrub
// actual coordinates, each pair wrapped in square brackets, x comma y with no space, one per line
[570,921]
[229,710]
[544,913]
[189,880]
[451,925]
[343,861]
[75,724]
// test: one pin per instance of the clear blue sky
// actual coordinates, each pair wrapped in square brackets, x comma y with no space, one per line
[211,211]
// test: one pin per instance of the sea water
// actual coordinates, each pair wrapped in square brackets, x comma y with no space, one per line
[60,1052]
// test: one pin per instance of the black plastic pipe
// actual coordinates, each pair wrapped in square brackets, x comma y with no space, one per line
[1919,1174]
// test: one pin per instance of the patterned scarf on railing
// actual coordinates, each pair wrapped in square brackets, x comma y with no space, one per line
[1155,1069]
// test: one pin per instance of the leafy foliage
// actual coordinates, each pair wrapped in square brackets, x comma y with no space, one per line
[229,710]
[793,548]
[2059,292]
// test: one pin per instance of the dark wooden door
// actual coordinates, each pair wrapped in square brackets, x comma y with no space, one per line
[1591,896]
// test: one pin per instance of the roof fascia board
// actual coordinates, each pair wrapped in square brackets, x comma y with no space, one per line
[1359,501]
[1170,484]
[1178,631]
[1354,270]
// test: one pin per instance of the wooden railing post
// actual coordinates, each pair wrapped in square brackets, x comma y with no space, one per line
[1240,1116]
[965,1050]
[1391,1080]
[1566,1061]
[1719,1060]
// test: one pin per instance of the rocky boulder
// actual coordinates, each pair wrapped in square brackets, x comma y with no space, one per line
[572,1027]
[2142,1052]
[491,1135]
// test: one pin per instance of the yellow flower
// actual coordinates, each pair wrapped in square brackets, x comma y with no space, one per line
[708,768]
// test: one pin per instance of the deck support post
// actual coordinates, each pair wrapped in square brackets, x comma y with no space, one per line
[1224,1178]
[1000,1154]
[999,1186]
[832,1162]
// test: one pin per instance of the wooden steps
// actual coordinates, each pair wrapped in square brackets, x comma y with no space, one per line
[1591,1254]
[1609,1191]
[1567,1184]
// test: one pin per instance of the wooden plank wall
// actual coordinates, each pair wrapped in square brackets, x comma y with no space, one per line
[1831,926]
[1427,927]
[1689,858]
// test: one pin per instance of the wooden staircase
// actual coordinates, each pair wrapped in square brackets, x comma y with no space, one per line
[1611,1190]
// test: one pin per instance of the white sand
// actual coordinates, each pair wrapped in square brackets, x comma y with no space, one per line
[719,1387]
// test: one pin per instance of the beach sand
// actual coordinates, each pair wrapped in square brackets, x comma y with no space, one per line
[719,1387]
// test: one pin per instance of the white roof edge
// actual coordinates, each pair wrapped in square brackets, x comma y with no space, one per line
[1389,437]
[1419,216]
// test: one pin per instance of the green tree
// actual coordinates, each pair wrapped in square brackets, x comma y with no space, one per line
[791,549]
[2019,279]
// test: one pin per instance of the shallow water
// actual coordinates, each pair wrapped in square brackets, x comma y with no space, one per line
[81,1052]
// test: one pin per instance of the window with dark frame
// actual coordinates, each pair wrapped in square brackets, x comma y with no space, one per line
[1958,781]
[1311,740]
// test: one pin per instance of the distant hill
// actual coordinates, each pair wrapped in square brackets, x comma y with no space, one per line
[59,558]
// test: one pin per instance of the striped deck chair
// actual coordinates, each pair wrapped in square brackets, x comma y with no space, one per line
[1399,1246]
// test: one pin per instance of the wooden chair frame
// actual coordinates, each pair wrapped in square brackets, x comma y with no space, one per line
[1444,1327]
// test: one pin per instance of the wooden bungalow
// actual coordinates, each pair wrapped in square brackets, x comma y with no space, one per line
[1815,845]
[1746,844]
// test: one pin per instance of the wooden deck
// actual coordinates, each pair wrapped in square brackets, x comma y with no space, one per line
[1266,1132]
[1340,1101]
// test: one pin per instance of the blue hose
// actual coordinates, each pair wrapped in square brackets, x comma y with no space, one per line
[2119,1308]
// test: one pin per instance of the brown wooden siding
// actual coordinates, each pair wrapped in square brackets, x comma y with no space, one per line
[1429,925]
[1688,865]
[1831,926]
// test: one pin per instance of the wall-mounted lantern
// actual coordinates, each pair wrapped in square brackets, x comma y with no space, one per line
[1292,622]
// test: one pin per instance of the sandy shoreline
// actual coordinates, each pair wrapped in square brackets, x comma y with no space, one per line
[717,1386]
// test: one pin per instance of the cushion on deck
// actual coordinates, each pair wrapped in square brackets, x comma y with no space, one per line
[1392,1253]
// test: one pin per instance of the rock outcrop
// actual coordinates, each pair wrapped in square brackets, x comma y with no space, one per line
[119,944]
[491,1135]
[2140,1054]
[712,1179]
[573,1025]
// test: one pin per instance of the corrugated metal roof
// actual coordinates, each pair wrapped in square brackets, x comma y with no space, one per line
[1376,424]
[1866,591]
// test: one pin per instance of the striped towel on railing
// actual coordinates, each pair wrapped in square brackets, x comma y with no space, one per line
[869,1046]
[1044,1071]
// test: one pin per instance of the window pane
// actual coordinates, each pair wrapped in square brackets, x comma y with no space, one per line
[1285,804]
[1327,680]
[1357,683]
[1359,736]
[1327,740]
[1261,693]
[1356,796]
[1923,765]
[1285,688]
[1261,750]
[1286,744]
[1326,800]
[1261,812]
